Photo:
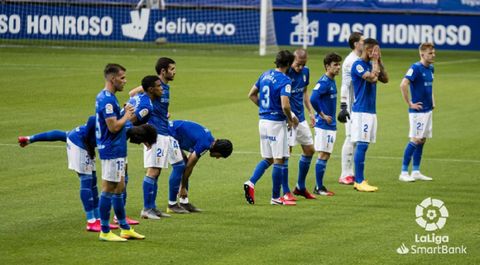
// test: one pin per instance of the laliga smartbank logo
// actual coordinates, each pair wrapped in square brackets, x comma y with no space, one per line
[431,215]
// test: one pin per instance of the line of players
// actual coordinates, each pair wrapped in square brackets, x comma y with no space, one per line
[144,119]
[281,95]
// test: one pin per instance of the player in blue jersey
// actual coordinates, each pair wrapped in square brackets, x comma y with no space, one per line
[420,80]
[196,140]
[355,42]
[81,143]
[112,148]
[299,73]
[166,150]
[366,71]
[324,101]
[271,93]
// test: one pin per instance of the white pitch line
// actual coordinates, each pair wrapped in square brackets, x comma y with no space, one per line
[257,153]
[457,61]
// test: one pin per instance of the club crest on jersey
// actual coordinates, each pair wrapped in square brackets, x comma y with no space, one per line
[359,68]
[108,108]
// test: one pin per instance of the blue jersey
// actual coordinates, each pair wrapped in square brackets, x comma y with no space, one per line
[84,134]
[365,92]
[191,136]
[300,82]
[324,99]
[158,118]
[110,145]
[143,107]
[271,86]
[421,81]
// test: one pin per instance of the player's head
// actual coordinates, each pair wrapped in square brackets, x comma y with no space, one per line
[300,60]
[332,63]
[368,46]
[165,68]
[355,41]
[115,75]
[427,52]
[284,59]
[146,134]
[152,86]
[221,148]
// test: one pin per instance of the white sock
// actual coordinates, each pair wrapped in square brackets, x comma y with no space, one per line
[347,158]
[184,200]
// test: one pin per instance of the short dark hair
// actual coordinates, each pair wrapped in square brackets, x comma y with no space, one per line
[222,146]
[331,57]
[113,68]
[145,133]
[149,81]
[163,63]
[370,42]
[284,59]
[355,37]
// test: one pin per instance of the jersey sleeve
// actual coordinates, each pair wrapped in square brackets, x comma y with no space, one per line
[107,107]
[358,69]
[143,110]
[315,98]
[307,74]
[286,89]
[411,73]
[346,80]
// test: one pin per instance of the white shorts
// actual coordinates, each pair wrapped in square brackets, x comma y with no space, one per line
[324,140]
[300,135]
[78,159]
[273,139]
[113,170]
[364,127]
[165,150]
[420,125]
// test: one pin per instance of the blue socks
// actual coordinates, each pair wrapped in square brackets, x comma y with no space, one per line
[417,157]
[149,192]
[119,209]
[174,180]
[105,205]
[96,210]
[303,166]
[407,155]
[277,173]
[86,195]
[320,171]
[259,171]
[285,187]
[49,136]
[359,161]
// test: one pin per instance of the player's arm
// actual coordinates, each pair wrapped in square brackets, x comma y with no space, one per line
[191,162]
[253,94]
[135,91]
[433,101]
[315,101]
[309,107]
[404,85]
[115,125]
[346,82]
[383,75]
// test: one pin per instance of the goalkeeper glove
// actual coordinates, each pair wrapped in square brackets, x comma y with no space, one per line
[343,115]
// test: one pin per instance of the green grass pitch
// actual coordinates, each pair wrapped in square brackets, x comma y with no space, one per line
[42,221]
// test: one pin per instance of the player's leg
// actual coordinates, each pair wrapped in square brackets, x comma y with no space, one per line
[291,140]
[261,167]
[324,142]
[49,136]
[176,159]
[347,176]
[409,148]
[424,132]
[363,132]
[304,137]
[130,221]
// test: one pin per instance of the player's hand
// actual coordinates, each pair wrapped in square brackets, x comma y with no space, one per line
[312,120]
[375,53]
[416,106]
[327,118]
[168,115]
[343,115]
[129,111]
[147,145]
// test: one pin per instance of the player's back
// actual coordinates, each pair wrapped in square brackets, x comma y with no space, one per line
[84,134]
[300,81]
[365,92]
[110,145]
[421,85]
[191,136]
[270,85]
[159,116]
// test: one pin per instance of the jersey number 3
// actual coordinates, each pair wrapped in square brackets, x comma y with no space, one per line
[265,97]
